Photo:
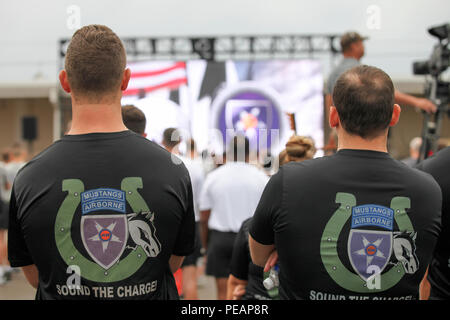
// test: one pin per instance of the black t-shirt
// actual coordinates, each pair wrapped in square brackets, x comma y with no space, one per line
[355,225]
[243,268]
[110,207]
[439,270]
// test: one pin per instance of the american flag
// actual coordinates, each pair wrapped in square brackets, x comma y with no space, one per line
[149,76]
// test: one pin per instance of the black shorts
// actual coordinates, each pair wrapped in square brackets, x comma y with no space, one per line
[191,260]
[220,250]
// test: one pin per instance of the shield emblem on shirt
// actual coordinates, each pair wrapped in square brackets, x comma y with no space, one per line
[104,237]
[369,251]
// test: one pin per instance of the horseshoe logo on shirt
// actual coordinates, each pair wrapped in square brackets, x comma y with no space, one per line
[369,248]
[102,270]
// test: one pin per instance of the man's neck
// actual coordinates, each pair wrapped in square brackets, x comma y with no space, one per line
[346,141]
[101,117]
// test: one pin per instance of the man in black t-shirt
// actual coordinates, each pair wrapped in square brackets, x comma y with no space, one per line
[244,273]
[103,213]
[357,225]
[439,270]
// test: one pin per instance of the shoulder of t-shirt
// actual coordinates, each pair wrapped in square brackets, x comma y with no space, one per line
[224,170]
[258,172]
[191,164]
[153,149]
[36,161]
[148,143]
[422,181]
[214,172]
[211,176]
[437,162]
[246,224]
[313,166]
[414,172]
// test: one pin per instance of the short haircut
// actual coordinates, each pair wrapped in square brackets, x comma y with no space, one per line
[134,119]
[364,99]
[239,146]
[171,138]
[95,62]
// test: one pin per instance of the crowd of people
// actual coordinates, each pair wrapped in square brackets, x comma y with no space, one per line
[12,160]
[129,213]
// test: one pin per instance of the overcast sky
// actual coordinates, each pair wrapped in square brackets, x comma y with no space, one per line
[30,30]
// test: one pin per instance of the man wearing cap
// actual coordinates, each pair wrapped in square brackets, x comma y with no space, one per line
[352,45]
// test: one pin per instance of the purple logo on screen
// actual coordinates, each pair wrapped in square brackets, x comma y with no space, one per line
[249,111]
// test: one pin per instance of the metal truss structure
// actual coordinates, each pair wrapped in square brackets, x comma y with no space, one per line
[220,48]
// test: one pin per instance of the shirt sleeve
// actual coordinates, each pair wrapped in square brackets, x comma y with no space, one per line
[270,204]
[18,253]
[204,201]
[186,233]
[240,258]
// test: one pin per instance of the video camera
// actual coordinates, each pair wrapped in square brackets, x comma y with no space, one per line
[440,57]
[437,90]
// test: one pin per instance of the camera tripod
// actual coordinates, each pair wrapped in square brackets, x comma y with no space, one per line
[438,93]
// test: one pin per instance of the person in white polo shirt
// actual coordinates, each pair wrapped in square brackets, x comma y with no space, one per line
[229,196]
[171,141]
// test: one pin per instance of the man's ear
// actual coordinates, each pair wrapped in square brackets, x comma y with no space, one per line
[125,79]
[64,82]
[333,119]
[395,115]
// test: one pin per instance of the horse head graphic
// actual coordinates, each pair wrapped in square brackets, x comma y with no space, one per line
[143,233]
[404,249]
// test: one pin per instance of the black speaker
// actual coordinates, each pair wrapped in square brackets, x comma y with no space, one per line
[29,128]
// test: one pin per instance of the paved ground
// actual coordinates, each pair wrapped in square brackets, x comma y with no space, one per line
[19,289]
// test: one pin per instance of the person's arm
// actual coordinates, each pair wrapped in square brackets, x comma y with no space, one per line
[18,253]
[205,206]
[175,262]
[185,239]
[424,288]
[239,266]
[204,218]
[422,103]
[261,237]
[32,274]
[260,253]
[234,288]
[239,292]
[271,261]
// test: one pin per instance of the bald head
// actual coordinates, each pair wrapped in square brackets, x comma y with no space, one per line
[364,99]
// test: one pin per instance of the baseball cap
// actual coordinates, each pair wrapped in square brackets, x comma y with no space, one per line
[350,37]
